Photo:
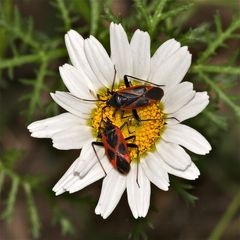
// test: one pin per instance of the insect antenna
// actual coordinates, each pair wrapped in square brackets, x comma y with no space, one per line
[141,80]
[88,100]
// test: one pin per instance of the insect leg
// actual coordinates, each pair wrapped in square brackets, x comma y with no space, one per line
[126,124]
[132,145]
[128,116]
[126,82]
[114,112]
[136,116]
[122,114]
[141,80]
[133,137]
[102,114]
[98,144]
[152,119]
[114,78]
[172,118]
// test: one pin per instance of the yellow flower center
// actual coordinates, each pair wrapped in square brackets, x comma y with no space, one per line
[146,133]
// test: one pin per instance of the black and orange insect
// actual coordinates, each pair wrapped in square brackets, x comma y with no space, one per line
[132,97]
[115,145]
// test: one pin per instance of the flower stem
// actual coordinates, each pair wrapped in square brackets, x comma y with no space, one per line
[216,69]
[21,60]
[141,7]
[34,101]
[157,17]
[94,16]
[219,40]
[64,14]
[221,94]
[233,207]
[34,217]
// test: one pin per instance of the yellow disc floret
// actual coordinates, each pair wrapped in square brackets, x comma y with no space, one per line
[146,133]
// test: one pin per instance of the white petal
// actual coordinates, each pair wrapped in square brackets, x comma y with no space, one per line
[72,138]
[70,181]
[67,175]
[138,195]
[77,82]
[46,128]
[173,69]
[88,158]
[187,137]
[173,155]
[155,170]
[73,105]
[61,191]
[113,187]
[192,109]
[190,173]
[177,96]
[121,54]
[93,175]
[140,45]
[74,43]
[163,52]
[99,61]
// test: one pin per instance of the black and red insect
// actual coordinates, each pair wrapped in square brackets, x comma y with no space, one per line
[132,97]
[115,145]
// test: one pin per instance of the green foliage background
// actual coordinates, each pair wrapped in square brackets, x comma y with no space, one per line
[32,48]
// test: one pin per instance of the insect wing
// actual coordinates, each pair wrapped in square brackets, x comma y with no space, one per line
[135,97]
[116,150]
[154,93]
[110,141]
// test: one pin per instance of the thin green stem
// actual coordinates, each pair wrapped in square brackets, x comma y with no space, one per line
[64,14]
[7,9]
[141,7]
[216,69]
[7,171]
[221,93]
[19,180]
[34,216]
[35,97]
[219,120]
[156,18]
[94,16]
[31,58]
[2,175]
[15,30]
[7,214]
[176,11]
[233,207]
[218,41]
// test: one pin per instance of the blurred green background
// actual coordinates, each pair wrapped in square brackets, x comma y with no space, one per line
[32,48]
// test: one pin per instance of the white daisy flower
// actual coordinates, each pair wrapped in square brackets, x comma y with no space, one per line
[161,143]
